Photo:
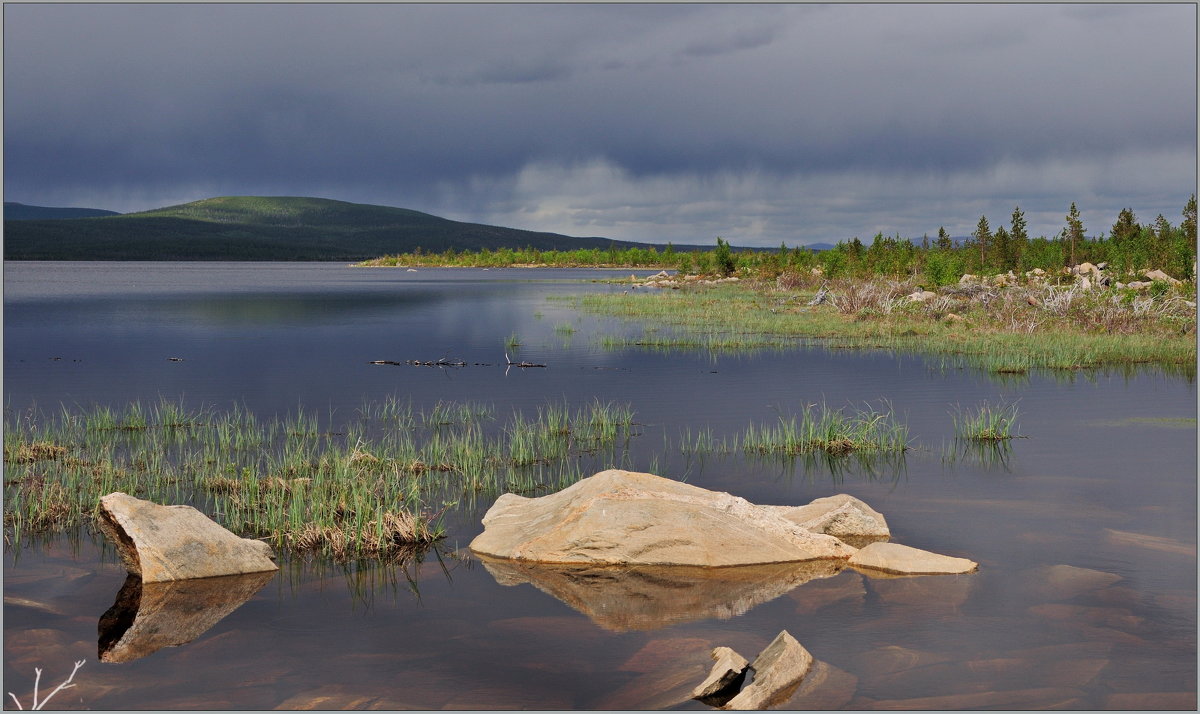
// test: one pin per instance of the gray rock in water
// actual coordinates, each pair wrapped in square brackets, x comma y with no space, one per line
[778,671]
[163,543]
[634,518]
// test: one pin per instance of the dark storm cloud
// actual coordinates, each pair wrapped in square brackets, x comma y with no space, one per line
[760,123]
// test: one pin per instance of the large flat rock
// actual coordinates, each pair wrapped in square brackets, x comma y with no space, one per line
[163,543]
[896,559]
[625,517]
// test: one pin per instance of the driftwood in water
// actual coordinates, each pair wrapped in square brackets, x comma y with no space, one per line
[520,364]
[443,362]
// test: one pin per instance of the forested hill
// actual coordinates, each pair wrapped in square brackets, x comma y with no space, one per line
[14,211]
[268,228]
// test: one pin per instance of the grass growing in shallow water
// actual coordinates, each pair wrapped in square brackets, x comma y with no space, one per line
[376,489]
[831,431]
[986,423]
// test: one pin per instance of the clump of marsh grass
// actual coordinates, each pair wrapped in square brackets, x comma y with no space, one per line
[387,533]
[986,422]
[27,453]
[830,430]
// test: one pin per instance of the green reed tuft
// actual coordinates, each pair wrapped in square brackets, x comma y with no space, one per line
[986,422]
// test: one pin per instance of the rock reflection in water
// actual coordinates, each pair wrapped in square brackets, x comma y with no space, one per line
[622,598]
[149,616]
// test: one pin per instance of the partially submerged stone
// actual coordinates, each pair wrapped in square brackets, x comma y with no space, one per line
[624,517]
[778,671]
[163,543]
[903,560]
[727,672]
[1063,582]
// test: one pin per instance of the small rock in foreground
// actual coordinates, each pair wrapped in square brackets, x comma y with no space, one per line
[728,672]
[778,670]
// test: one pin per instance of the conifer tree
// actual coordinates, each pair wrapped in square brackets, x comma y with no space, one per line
[1125,227]
[983,236]
[1074,232]
[1189,221]
[1002,249]
[1019,236]
[944,242]
[1162,227]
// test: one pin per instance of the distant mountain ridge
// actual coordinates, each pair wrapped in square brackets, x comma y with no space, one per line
[271,228]
[14,211]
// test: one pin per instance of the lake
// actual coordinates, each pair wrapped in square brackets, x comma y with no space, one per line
[1084,528]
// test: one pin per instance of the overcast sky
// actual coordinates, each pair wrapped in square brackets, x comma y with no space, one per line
[759,123]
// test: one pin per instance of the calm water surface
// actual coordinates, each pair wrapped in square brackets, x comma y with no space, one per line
[1085,531]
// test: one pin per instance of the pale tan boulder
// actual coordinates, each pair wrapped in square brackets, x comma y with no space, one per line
[729,666]
[778,671]
[1159,275]
[899,559]
[922,296]
[841,516]
[625,517]
[163,543]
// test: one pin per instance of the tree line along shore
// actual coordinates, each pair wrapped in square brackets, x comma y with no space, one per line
[1127,249]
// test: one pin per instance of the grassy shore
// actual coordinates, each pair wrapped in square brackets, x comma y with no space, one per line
[1009,329]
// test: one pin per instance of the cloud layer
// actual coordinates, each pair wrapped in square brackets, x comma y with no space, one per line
[762,124]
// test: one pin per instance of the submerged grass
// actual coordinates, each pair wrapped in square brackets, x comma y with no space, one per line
[378,488]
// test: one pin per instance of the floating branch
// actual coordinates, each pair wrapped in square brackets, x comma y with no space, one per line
[443,362]
[522,364]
